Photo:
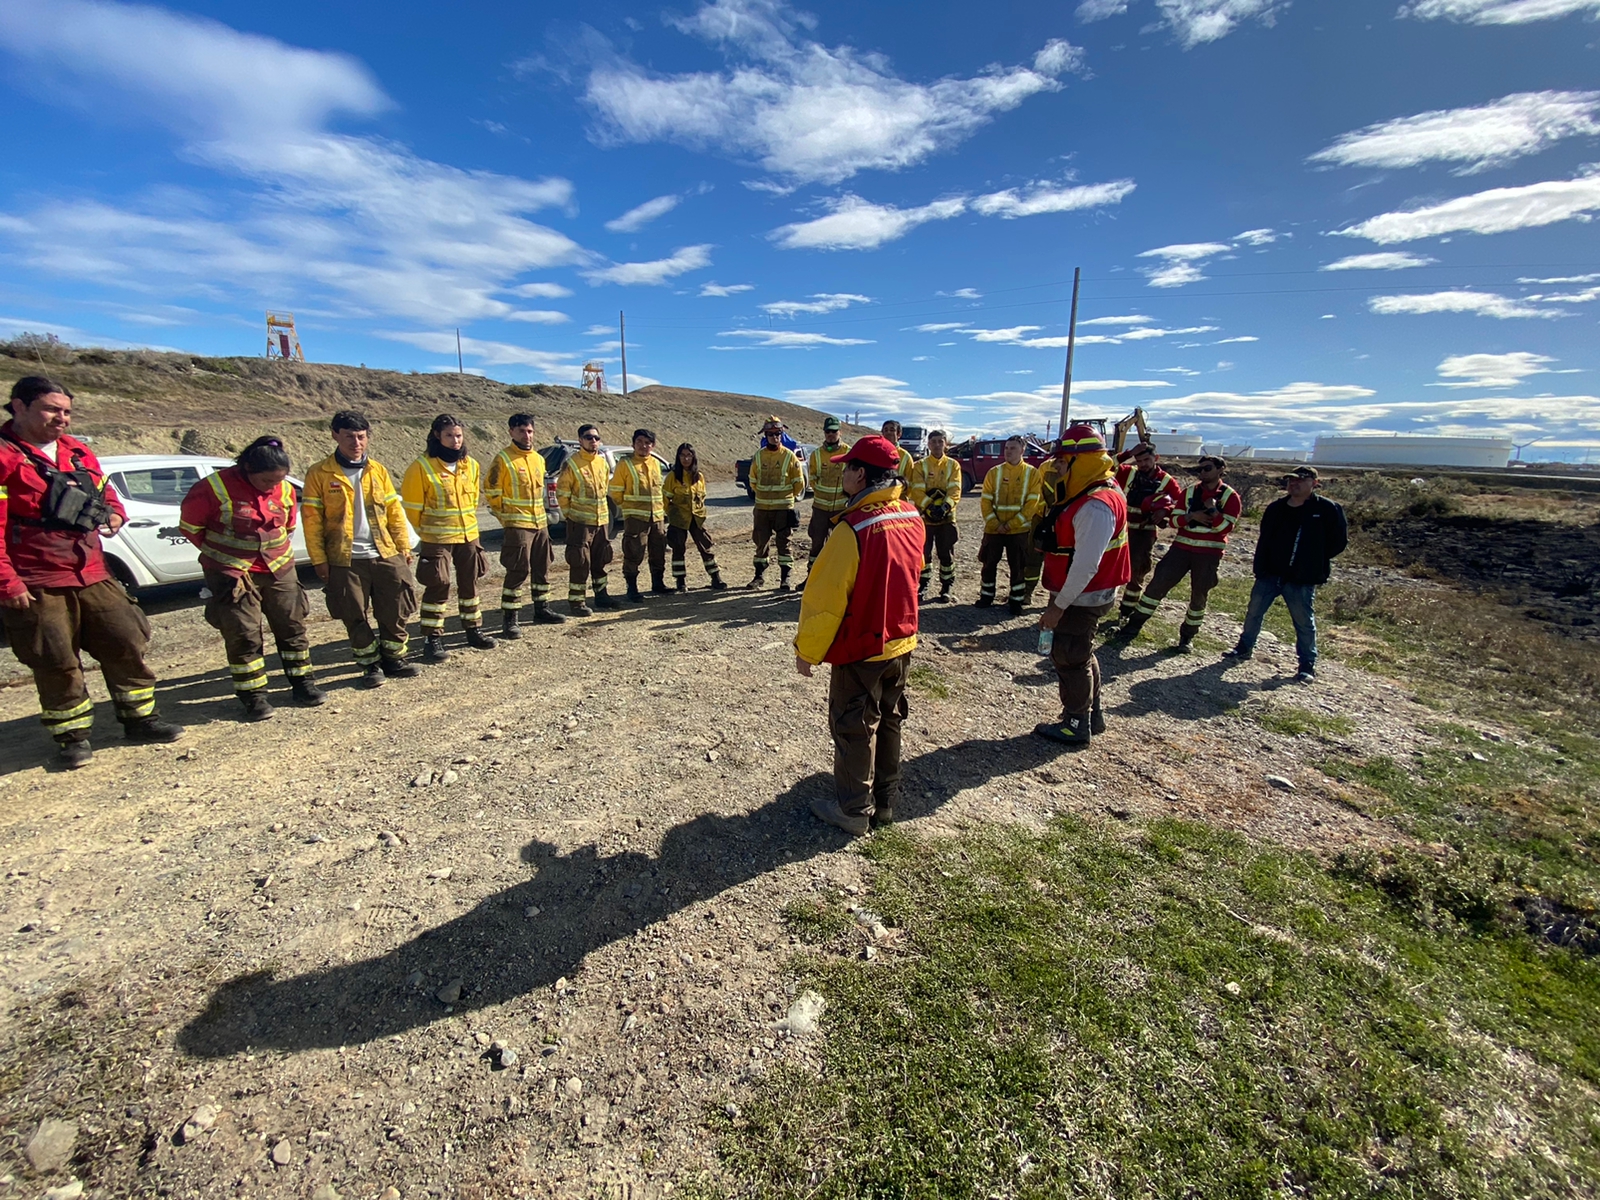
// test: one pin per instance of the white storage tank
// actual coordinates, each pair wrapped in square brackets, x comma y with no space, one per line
[1415,450]
[1283,455]
[1176,445]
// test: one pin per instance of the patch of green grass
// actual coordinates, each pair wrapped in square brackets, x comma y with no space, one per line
[1292,721]
[816,921]
[928,680]
[1182,1015]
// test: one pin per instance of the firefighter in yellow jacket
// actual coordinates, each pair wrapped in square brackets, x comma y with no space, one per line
[581,492]
[440,494]
[1010,504]
[359,542]
[515,495]
[827,491]
[684,491]
[636,493]
[778,481]
[891,433]
[936,490]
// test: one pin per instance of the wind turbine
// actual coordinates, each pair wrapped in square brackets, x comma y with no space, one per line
[1525,445]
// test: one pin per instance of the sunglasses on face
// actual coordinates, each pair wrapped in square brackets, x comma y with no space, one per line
[589,437]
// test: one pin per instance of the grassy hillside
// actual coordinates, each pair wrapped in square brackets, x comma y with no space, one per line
[143,402]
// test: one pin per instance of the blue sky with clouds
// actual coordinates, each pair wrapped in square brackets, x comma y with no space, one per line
[1292,218]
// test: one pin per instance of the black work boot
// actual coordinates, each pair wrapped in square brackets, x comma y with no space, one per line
[783,580]
[398,668]
[945,588]
[74,752]
[150,729]
[306,692]
[658,584]
[1014,607]
[371,676]
[680,583]
[604,599]
[1185,641]
[477,638]
[256,707]
[1131,627]
[983,602]
[509,621]
[1097,718]
[633,596]
[760,581]
[543,616]
[580,609]
[433,650]
[718,583]
[1070,730]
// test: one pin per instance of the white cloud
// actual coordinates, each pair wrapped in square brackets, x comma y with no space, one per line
[1039,198]
[1099,10]
[941,327]
[965,293]
[821,302]
[857,224]
[1181,263]
[1490,135]
[1246,338]
[490,353]
[637,218]
[1484,304]
[1491,370]
[1193,22]
[725,289]
[1564,279]
[653,273]
[350,223]
[1384,260]
[1259,237]
[1499,210]
[539,316]
[540,291]
[1017,335]
[786,339]
[1497,12]
[1129,319]
[876,398]
[806,112]
[1115,385]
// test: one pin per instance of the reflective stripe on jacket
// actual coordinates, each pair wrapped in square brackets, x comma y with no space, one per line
[329,516]
[441,504]
[1150,498]
[1115,567]
[636,488]
[685,501]
[942,474]
[238,528]
[514,490]
[776,478]
[1207,534]
[826,478]
[1010,498]
[581,489]
[30,554]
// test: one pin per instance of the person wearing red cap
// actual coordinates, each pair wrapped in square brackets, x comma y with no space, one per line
[1085,562]
[1153,496]
[859,614]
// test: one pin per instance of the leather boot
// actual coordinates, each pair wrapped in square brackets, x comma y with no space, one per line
[633,589]
[1097,718]
[783,580]
[509,621]
[398,668]
[605,600]
[371,677]
[1185,640]
[543,616]
[718,583]
[1014,607]
[1130,628]
[306,692]
[256,707]
[478,639]
[681,584]
[150,729]
[74,752]
[945,588]
[1070,730]
[759,582]
[983,602]
[658,584]
[433,650]
[580,609]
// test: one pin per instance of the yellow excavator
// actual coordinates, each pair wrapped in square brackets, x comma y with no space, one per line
[1117,439]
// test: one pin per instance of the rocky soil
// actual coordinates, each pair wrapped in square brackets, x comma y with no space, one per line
[513,927]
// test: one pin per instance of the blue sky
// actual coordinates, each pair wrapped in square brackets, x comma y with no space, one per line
[1292,218]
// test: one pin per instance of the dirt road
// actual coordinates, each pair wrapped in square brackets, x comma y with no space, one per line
[509,928]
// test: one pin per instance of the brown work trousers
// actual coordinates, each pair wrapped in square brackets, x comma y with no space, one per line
[941,540]
[866,707]
[588,556]
[818,529]
[770,524]
[434,562]
[1013,547]
[1174,565]
[237,608]
[1072,652]
[48,636]
[525,554]
[1141,557]
[678,542]
[381,588]
[639,538]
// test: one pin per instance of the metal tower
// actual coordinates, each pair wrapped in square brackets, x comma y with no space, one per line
[282,340]
[594,377]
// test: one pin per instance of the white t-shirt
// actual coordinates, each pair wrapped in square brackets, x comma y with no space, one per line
[48,449]
[360,528]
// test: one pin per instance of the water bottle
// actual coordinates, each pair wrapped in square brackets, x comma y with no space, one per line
[1047,639]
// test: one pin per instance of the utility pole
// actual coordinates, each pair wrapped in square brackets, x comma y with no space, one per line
[622,336]
[1072,341]
[460,367]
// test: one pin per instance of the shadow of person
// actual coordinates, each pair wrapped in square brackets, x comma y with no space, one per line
[1197,696]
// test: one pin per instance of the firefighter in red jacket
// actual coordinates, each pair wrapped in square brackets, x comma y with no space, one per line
[1153,496]
[859,614]
[1085,562]
[243,519]
[56,594]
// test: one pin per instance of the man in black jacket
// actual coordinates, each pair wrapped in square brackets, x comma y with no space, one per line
[1301,534]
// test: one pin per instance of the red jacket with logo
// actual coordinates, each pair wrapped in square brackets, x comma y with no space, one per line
[32,556]
[237,528]
[1151,499]
[1202,532]
[1116,565]
[883,603]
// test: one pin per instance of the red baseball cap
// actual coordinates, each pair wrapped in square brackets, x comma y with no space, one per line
[873,451]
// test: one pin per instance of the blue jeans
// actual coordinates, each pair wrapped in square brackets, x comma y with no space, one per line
[1299,599]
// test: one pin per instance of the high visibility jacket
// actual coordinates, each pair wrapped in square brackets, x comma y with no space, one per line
[827,490]
[581,489]
[906,463]
[1115,567]
[30,554]
[942,474]
[636,488]
[514,490]
[860,602]
[328,513]
[777,478]
[685,501]
[1010,498]
[1152,499]
[1205,534]
[240,529]
[441,504]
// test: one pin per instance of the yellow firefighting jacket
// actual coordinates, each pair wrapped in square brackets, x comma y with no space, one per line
[906,462]
[636,488]
[828,587]
[581,489]
[777,478]
[942,474]
[827,491]
[441,504]
[685,501]
[1010,499]
[515,488]
[328,518]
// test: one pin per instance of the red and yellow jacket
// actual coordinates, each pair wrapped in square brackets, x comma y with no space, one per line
[1151,499]
[1205,533]
[1116,566]
[238,529]
[30,555]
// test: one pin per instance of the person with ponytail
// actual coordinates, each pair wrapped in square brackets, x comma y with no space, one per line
[242,518]
[440,494]
[684,491]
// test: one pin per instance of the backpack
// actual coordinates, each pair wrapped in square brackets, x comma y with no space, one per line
[72,500]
